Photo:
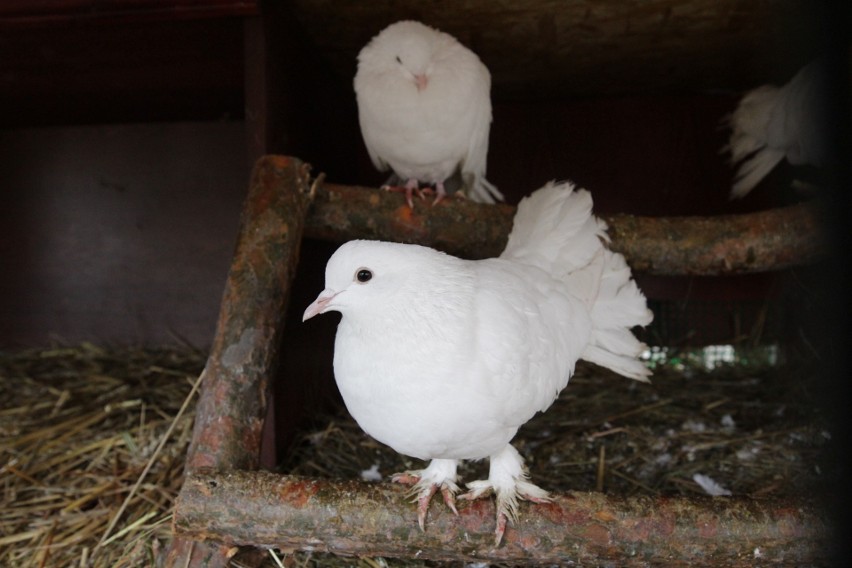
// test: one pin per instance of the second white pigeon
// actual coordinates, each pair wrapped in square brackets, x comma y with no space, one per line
[443,359]
[424,106]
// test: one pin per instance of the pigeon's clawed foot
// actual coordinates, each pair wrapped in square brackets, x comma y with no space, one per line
[441,474]
[440,192]
[411,187]
[507,479]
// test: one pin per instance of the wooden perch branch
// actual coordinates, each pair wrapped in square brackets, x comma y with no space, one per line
[725,244]
[354,518]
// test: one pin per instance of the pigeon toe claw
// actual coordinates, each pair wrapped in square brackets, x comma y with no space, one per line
[502,518]
[423,499]
[405,477]
[449,498]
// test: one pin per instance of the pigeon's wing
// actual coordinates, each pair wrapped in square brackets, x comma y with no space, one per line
[528,335]
[369,88]
[367,132]
[475,161]
[380,164]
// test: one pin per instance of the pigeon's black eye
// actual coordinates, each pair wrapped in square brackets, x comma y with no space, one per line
[363,275]
[398,60]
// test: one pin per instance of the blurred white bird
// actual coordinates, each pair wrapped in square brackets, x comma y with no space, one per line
[771,123]
[424,105]
[443,359]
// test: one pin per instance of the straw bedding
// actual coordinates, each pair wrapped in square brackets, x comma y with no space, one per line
[80,425]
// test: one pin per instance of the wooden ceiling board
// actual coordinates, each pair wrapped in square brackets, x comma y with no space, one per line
[552,48]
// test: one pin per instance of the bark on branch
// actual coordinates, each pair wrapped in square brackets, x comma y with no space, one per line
[725,244]
[354,518]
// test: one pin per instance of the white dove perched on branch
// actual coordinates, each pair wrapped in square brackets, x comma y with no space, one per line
[424,105]
[443,359]
[772,123]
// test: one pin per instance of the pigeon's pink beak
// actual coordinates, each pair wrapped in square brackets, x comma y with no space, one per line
[320,304]
[421,81]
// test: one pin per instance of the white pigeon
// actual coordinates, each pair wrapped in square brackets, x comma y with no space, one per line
[772,123]
[424,105]
[443,359]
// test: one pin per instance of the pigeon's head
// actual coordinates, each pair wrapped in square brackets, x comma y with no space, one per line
[369,275]
[404,50]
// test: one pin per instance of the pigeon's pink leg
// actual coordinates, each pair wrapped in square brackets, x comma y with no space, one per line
[410,187]
[507,478]
[442,193]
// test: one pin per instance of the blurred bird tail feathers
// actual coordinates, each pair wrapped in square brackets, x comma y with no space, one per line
[483,191]
[750,121]
[555,230]
[753,170]
[750,125]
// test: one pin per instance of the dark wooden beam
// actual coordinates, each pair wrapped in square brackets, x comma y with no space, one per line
[51,13]
[540,49]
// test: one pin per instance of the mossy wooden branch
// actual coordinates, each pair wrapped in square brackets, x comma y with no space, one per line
[355,518]
[724,244]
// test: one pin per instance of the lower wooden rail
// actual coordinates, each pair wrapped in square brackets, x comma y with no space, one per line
[354,518]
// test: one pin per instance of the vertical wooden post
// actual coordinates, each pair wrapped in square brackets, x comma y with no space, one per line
[234,393]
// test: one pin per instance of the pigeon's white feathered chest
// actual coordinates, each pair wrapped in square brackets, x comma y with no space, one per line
[455,378]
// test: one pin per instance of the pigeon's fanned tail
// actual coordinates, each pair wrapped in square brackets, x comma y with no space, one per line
[555,230]
[619,306]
